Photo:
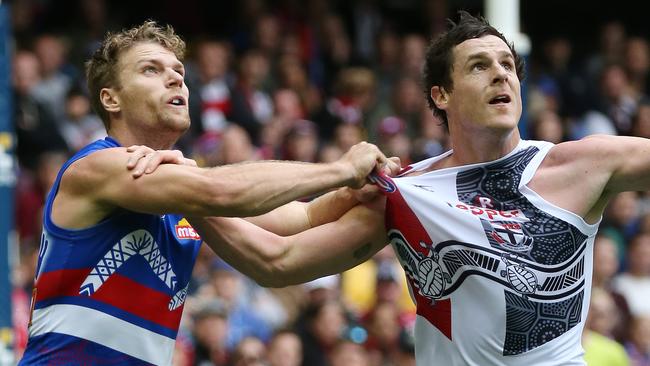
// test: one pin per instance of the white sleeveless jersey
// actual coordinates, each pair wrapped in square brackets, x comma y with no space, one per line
[499,275]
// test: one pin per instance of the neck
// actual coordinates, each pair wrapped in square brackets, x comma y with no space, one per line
[471,148]
[155,139]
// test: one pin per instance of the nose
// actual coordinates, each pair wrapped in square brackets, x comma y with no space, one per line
[500,74]
[174,79]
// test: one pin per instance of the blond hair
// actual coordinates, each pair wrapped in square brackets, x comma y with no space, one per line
[101,69]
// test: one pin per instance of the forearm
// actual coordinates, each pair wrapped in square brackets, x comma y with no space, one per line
[278,261]
[296,217]
[258,187]
[243,245]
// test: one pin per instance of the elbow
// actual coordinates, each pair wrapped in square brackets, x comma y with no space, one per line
[273,270]
[271,276]
[271,282]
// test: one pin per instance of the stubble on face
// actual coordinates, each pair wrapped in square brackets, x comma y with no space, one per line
[145,88]
[478,64]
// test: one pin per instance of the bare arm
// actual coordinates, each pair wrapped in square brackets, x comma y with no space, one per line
[596,168]
[95,185]
[277,261]
[295,217]
[628,158]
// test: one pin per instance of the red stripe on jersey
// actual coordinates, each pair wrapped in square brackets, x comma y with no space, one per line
[63,282]
[400,216]
[118,291]
[128,295]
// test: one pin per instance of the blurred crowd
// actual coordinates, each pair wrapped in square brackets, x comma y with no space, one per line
[304,83]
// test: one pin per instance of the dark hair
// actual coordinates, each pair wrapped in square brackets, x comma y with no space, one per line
[439,56]
[102,68]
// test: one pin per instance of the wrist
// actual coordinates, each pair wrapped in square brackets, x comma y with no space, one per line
[346,173]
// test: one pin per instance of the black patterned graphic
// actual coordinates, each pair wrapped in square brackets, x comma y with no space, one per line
[554,240]
[531,324]
[541,239]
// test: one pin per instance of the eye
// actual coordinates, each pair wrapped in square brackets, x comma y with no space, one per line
[479,66]
[508,65]
[150,70]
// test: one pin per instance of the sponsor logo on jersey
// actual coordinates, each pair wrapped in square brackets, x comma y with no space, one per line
[490,214]
[185,231]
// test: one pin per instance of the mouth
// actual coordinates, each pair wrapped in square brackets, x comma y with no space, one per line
[177,101]
[500,99]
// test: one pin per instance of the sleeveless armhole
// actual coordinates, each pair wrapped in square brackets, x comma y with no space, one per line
[540,202]
[48,224]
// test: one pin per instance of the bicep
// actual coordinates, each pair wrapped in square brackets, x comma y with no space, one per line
[630,163]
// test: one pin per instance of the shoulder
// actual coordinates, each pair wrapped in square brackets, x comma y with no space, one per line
[594,148]
[95,168]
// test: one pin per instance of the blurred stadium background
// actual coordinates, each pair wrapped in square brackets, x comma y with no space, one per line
[303,80]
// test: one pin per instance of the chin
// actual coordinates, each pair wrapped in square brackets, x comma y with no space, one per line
[177,123]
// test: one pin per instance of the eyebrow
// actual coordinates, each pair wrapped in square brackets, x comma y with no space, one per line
[483,55]
[177,64]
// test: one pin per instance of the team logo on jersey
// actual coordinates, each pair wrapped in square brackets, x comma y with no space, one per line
[184,230]
[507,234]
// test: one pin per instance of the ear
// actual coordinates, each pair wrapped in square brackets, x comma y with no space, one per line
[439,96]
[110,100]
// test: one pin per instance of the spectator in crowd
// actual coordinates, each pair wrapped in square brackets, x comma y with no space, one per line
[80,126]
[638,344]
[55,83]
[34,122]
[618,99]
[641,119]
[352,98]
[210,331]
[349,353]
[211,101]
[606,265]
[320,328]
[637,65]
[228,285]
[251,105]
[250,351]
[285,349]
[634,282]
[600,349]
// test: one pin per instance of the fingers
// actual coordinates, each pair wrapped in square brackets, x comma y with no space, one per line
[137,152]
[393,167]
[152,160]
[141,165]
[364,158]
[190,162]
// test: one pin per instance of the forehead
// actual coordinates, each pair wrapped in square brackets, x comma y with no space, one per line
[147,51]
[488,44]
